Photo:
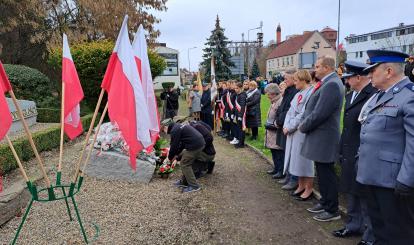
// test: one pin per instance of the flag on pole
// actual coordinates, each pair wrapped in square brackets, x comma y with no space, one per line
[73,93]
[199,84]
[141,57]
[213,81]
[4,80]
[126,101]
[5,116]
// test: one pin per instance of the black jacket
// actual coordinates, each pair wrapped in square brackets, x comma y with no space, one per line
[184,137]
[253,114]
[281,113]
[241,101]
[350,138]
[205,130]
[171,98]
[206,102]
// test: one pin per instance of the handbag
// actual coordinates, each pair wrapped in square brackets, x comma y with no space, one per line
[270,126]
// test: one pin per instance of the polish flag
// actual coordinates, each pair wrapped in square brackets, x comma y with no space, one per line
[126,101]
[141,57]
[5,116]
[73,93]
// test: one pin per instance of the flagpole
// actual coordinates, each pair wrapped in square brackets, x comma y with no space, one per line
[88,135]
[62,131]
[94,138]
[17,159]
[29,135]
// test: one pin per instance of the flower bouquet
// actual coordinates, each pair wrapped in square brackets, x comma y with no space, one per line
[166,168]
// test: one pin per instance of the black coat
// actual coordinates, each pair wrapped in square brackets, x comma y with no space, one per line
[409,70]
[350,139]
[206,102]
[171,98]
[281,112]
[205,130]
[253,114]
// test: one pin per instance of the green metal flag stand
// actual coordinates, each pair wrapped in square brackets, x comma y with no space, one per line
[68,192]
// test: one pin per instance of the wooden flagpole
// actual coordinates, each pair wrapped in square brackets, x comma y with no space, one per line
[29,135]
[17,159]
[94,139]
[78,165]
[62,128]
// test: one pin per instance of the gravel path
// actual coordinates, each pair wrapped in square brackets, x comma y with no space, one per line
[239,204]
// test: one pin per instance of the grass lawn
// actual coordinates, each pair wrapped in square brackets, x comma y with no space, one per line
[259,143]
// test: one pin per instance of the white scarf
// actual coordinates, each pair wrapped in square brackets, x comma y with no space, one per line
[250,93]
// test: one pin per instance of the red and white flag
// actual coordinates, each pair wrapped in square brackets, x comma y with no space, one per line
[141,57]
[126,102]
[5,116]
[73,93]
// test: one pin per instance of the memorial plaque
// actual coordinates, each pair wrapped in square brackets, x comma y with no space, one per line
[29,113]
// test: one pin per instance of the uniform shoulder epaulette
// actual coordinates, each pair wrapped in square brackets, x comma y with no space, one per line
[410,86]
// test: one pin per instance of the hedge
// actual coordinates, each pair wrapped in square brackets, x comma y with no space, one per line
[48,115]
[31,84]
[45,140]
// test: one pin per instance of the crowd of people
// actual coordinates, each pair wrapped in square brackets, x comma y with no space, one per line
[375,148]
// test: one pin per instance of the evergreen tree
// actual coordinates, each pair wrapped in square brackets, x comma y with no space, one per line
[217,45]
[255,70]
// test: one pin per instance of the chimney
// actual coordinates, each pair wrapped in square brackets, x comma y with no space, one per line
[278,34]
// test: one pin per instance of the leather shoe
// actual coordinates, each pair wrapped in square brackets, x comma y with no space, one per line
[297,194]
[271,172]
[344,232]
[304,199]
[278,175]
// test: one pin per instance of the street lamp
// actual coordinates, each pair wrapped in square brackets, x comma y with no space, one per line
[248,46]
[188,54]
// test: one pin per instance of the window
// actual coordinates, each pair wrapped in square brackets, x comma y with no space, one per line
[278,63]
[287,60]
[283,62]
[172,64]
[381,35]
[356,55]
[360,54]
[400,32]
[358,39]
[411,48]
[404,48]
[291,60]
[410,30]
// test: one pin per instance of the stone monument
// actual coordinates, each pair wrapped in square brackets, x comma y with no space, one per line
[29,113]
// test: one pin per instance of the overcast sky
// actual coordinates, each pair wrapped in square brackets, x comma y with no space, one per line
[187,23]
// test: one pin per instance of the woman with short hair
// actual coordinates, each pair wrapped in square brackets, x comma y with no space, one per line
[274,94]
[295,163]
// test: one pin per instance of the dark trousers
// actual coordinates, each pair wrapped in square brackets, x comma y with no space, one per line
[392,217]
[233,129]
[255,132]
[278,157]
[226,128]
[358,219]
[240,133]
[327,186]
[207,118]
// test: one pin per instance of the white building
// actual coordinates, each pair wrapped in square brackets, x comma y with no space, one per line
[400,38]
[172,71]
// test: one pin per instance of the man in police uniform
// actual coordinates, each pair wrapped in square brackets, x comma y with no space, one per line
[358,220]
[386,153]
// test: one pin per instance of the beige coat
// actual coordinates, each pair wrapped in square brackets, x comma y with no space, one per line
[270,135]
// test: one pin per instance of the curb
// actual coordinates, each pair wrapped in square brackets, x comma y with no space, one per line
[342,209]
